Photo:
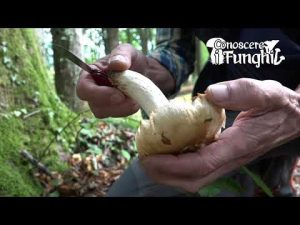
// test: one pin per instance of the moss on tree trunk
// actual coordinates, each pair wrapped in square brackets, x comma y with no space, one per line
[25,87]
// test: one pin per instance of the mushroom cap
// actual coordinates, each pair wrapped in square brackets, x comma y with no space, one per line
[179,127]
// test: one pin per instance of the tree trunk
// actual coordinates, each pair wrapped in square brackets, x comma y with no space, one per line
[67,73]
[129,36]
[143,32]
[29,111]
[111,39]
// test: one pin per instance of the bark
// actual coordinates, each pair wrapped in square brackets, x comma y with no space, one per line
[29,112]
[144,36]
[67,73]
[111,39]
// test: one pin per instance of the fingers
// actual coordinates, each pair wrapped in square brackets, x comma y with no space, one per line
[126,108]
[121,57]
[187,170]
[88,90]
[245,94]
[106,101]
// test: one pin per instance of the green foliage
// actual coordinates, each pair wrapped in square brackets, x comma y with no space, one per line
[107,136]
[231,185]
[15,179]
[127,122]
[222,184]
[125,154]
[20,60]
[94,49]
[204,55]
[92,43]
[131,36]
[258,181]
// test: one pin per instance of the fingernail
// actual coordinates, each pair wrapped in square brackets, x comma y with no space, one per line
[118,58]
[219,92]
[93,66]
[116,98]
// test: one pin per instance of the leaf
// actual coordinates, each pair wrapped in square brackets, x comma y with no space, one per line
[17,113]
[56,182]
[125,154]
[13,78]
[7,116]
[51,114]
[209,191]
[4,49]
[127,122]
[258,181]
[86,132]
[6,60]
[24,111]
[54,194]
[94,149]
[222,184]
[59,130]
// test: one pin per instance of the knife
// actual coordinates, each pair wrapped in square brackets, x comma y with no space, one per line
[99,76]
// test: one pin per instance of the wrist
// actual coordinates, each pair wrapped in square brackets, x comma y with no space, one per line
[160,75]
[156,72]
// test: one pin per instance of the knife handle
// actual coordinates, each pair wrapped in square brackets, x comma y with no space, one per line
[101,78]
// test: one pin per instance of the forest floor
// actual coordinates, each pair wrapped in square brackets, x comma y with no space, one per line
[98,160]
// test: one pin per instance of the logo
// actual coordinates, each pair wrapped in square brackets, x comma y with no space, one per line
[224,52]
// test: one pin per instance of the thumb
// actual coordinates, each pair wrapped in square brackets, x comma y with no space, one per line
[245,94]
[121,57]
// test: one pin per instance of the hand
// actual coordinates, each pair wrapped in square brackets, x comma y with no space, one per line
[110,102]
[270,117]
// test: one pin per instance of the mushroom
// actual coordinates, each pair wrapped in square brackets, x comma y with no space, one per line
[173,127]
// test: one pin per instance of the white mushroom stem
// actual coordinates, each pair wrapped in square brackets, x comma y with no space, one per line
[172,127]
[141,89]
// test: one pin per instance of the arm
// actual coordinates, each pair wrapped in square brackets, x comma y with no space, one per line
[176,52]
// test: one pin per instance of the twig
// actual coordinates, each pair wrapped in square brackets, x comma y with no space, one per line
[36,163]
[68,124]
[31,114]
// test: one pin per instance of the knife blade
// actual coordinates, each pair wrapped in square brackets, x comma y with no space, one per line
[99,76]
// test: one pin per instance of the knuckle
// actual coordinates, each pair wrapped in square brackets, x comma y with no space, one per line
[274,93]
[250,85]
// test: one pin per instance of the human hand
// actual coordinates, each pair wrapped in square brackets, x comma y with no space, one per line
[110,102]
[107,101]
[270,117]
